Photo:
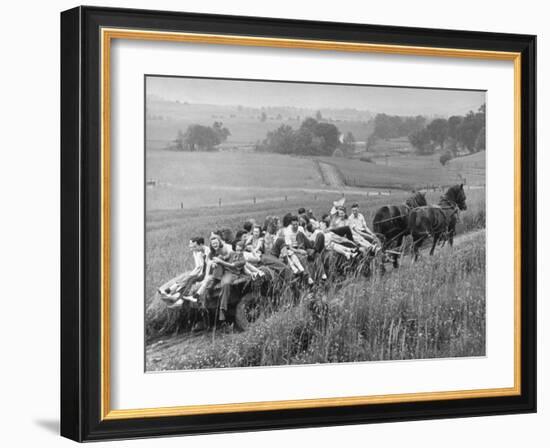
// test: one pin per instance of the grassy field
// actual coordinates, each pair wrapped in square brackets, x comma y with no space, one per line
[168,232]
[431,309]
[411,313]
[189,180]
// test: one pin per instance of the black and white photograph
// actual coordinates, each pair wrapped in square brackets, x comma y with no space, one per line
[294,223]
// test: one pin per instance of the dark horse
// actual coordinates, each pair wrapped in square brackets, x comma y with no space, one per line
[437,221]
[392,222]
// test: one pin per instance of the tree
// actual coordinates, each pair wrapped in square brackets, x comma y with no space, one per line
[348,144]
[222,132]
[438,130]
[201,138]
[393,126]
[479,145]
[282,140]
[263,117]
[318,116]
[468,131]
[371,141]
[311,138]
[470,127]
[445,157]
[328,135]
[422,142]
[453,124]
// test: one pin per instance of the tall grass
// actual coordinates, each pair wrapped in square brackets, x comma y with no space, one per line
[431,309]
[169,231]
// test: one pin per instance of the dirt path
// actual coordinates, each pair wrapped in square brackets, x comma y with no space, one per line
[159,353]
[331,175]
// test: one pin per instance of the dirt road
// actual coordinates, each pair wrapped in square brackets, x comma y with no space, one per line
[331,176]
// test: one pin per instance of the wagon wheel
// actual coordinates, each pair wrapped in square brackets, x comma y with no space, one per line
[246,312]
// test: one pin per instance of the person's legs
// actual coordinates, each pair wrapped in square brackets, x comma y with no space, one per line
[168,287]
[343,231]
[226,281]
[252,270]
[319,244]
[363,242]
[302,259]
[184,285]
[272,262]
[342,250]
[295,264]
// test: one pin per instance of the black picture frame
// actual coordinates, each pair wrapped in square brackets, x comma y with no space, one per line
[81,224]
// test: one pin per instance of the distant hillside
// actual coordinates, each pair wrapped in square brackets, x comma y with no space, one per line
[247,125]
[476,160]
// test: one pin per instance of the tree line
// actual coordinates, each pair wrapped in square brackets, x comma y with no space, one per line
[452,135]
[201,138]
[312,138]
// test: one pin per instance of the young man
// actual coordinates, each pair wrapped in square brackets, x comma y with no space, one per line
[297,243]
[360,230]
[172,291]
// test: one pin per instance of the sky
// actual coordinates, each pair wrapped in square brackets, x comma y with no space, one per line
[377,99]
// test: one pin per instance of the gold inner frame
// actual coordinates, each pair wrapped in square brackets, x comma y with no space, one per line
[107,35]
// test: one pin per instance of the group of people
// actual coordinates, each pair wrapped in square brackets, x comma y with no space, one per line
[295,245]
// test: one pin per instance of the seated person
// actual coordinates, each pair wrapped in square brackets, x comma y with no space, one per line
[337,243]
[173,290]
[361,232]
[358,223]
[219,250]
[296,243]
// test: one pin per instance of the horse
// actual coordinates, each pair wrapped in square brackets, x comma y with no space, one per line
[391,222]
[437,221]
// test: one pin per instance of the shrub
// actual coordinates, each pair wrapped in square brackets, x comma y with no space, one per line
[445,157]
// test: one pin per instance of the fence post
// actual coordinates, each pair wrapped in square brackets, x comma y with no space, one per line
[181,204]
[254,200]
[286,197]
[219,202]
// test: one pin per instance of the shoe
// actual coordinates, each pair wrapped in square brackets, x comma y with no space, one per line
[177,304]
[171,299]
[221,317]
[192,299]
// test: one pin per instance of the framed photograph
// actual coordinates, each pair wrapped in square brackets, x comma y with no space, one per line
[277,224]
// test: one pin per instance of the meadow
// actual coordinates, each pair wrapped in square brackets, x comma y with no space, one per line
[433,308]
[193,179]
[168,233]
[409,171]
[197,179]
[430,309]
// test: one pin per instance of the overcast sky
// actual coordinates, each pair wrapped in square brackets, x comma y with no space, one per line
[392,100]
